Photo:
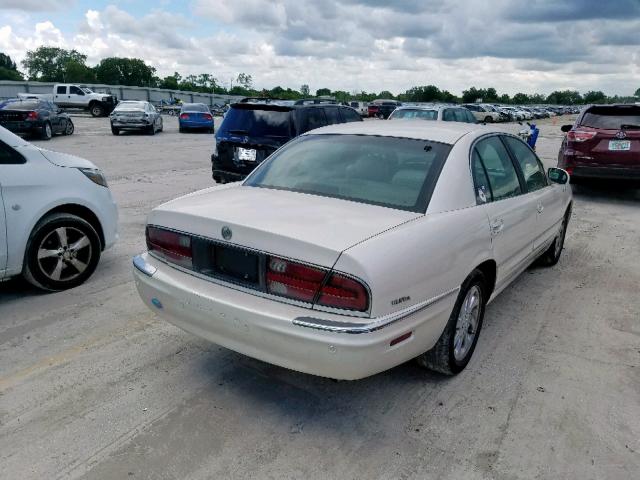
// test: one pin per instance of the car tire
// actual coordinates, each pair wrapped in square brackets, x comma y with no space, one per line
[96,110]
[46,132]
[69,128]
[115,131]
[161,125]
[452,351]
[551,256]
[151,130]
[180,129]
[488,119]
[50,266]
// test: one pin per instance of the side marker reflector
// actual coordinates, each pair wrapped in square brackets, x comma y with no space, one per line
[401,338]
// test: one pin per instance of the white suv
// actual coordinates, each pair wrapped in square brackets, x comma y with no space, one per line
[56,215]
[483,113]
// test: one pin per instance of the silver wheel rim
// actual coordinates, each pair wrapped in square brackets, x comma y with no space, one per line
[560,239]
[47,130]
[467,323]
[64,254]
[69,129]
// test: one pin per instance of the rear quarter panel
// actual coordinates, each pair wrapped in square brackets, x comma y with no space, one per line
[420,259]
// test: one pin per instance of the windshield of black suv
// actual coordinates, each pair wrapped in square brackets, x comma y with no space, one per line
[387,171]
[414,113]
[258,121]
[611,118]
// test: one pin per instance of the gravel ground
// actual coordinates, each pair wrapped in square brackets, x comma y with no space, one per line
[93,385]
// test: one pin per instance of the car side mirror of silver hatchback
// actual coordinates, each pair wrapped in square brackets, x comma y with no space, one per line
[558,175]
[566,128]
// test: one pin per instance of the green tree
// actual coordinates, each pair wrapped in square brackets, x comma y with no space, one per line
[521,98]
[595,97]
[245,81]
[125,71]
[78,72]
[472,94]
[171,82]
[49,64]
[323,92]
[9,69]
[428,93]
[637,94]
[305,92]
[564,97]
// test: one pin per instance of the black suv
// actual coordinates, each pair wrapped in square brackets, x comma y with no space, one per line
[255,128]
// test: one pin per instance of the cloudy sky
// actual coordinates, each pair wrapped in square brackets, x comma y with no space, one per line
[513,45]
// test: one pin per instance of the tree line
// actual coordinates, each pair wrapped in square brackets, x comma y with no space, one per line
[53,64]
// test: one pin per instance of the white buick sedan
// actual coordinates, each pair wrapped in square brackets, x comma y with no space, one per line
[357,247]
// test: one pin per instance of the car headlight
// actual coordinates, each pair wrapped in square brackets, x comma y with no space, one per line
[95,175]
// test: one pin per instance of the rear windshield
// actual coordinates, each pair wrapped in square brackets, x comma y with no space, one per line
[130,106]
[195,107]
[387,171]
[611,117]
[20,105]
[415,113]
[257,122]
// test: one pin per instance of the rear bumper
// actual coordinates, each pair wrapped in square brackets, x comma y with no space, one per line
[22,127]
[612,173]
[199,124]
[290,336]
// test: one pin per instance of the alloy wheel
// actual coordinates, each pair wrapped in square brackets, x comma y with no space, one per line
[64,254]
[467,323]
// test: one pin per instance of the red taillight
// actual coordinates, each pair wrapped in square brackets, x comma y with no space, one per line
[344,292]
[301,282]
[293,280]
[173,246]
[580,135]
[32,115]
[184,116]
[207,116]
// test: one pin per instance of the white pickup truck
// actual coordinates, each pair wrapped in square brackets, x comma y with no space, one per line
[67,95]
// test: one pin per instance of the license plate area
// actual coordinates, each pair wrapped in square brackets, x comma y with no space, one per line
[235,264]
[246,154]
[619,145]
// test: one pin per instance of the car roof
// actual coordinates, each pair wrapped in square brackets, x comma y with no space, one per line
[443,132]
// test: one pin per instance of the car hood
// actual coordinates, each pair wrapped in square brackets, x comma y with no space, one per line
[66,160]
[306,227]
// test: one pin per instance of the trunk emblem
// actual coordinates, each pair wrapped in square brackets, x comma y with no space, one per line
[226,233]
[621,134]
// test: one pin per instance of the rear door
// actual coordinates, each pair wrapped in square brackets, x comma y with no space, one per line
[511,213]
[3,233]
[9,160]
[547,196]
[61,95]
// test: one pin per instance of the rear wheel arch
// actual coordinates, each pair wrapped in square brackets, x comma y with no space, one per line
[489,269]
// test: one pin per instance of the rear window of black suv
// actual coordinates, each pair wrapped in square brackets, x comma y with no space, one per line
[258,121]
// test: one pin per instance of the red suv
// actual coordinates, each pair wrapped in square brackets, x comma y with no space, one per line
[603,143]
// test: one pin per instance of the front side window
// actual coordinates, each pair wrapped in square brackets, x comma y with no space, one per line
[75,91]
[501,173]
[332,115]
[349,115]
[531,167]
[387,171]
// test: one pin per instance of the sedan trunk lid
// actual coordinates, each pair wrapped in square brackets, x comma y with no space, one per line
[304,227]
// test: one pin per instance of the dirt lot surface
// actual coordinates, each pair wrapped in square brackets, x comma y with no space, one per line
[93,385]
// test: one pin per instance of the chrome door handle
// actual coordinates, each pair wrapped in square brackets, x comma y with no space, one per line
[496,226]
[540,208]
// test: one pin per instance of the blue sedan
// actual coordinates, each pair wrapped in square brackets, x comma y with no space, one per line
[195,116]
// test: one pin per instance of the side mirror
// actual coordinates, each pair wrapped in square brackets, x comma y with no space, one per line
[558,175]
[566,128]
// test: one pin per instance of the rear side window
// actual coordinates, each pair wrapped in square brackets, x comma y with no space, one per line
[611,118]
[257,122]
[8,156]
[332,115]
[349,115]
[531,167]
[449,115]
[470,117]
[61,90]
[314,118]
[480,179]
[501,173]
